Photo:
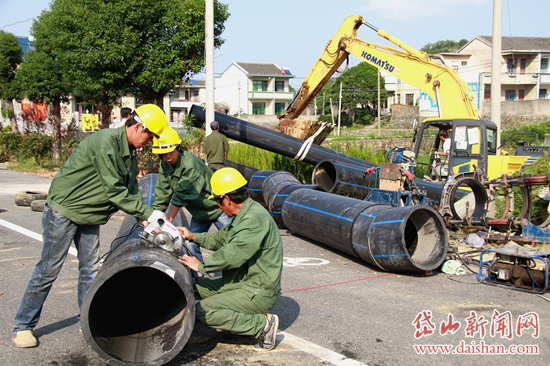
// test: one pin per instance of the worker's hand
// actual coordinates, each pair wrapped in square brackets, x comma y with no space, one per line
[156,215]
[191,262]
[186,234]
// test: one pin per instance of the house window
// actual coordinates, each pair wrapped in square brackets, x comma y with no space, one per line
[409,99]
[279,86]
[543,94]
[195,97]
[259,85]
[510,95]
[258,108]
[279,108]
[544,65]
[522,63]
[487,93]
[511,65]
[464,63]
[521,94]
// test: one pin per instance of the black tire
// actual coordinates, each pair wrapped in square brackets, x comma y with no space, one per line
[26,197]
[38,205]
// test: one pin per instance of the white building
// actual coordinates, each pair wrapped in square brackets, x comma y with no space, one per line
[254,89]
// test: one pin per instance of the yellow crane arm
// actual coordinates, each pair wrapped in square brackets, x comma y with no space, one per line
[414,67]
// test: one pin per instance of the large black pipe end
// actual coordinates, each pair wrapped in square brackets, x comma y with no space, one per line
[401,239]
[344,178]
[140,310]
[324,175]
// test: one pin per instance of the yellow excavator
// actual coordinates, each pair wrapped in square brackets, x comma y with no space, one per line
[473,140]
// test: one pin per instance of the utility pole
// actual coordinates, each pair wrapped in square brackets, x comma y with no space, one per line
[339,108]
[239,98]
[378,102]
[496,68]
[209,50]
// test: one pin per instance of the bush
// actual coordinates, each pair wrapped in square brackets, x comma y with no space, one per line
[10,145]
[36,146]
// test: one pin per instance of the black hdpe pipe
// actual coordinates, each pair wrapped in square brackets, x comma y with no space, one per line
[399,239]
[276,187]
[140,309]
[350,180]
[285,145]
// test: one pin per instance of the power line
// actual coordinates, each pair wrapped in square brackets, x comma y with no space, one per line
[21,21]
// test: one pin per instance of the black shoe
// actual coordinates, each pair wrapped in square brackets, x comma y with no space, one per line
[267,340]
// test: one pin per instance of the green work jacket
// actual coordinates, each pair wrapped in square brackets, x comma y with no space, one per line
[187,185]
[99,179]
[248,252]
[215,146]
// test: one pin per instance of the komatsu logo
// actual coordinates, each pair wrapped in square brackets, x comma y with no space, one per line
[384,65]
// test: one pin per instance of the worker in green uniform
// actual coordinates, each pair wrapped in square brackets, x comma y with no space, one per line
[216,147]
[249,254]
[184,181]
[98,180]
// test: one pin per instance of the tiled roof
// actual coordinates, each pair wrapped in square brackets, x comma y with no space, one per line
[263,69]
[521,43]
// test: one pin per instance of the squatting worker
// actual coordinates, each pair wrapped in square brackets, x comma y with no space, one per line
[249,254]
[98,180]
[184,180]
[215,147]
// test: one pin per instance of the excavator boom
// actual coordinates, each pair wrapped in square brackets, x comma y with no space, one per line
[414,67]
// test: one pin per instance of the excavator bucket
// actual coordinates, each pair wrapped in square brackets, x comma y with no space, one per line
[304,129]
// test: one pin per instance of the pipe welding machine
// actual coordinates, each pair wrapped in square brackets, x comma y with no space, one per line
[516,268]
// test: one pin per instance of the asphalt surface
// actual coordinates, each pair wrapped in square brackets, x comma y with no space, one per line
[330,300]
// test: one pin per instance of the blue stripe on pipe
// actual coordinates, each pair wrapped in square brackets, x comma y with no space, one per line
[150,190]
[359,245]
[387,222]
[258,176]
[389,255]
[136,256]
[255,189]
[351,167]
[350,184]
[277,212]
[368,215]
[282,195]
[316,210]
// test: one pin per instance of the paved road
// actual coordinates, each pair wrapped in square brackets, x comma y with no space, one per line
[353,312]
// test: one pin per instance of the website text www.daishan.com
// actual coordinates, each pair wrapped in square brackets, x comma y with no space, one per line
[501,324]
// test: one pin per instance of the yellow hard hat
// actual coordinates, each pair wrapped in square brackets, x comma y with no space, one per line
[167,142]
[152,117]
[226,180]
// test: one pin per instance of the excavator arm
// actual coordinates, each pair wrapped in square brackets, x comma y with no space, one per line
[414,67]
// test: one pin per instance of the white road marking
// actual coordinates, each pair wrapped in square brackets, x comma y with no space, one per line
[322,353]
[30,234]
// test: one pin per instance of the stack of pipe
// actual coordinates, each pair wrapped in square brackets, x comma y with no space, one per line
[400,239]
[349,173]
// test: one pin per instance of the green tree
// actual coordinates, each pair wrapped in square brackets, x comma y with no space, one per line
[42,77]
[444,46]
[10,57]
[109,48]
[360,90]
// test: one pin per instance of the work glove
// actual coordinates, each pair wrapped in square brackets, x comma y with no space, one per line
[156,215]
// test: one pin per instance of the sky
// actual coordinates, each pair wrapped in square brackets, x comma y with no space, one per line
[293,33]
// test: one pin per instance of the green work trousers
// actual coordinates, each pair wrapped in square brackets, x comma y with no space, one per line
[238,311]
[216,166]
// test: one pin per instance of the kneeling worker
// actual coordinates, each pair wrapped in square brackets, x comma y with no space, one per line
[184,180]
[249,254]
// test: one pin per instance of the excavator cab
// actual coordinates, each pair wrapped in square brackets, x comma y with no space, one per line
[471,141]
